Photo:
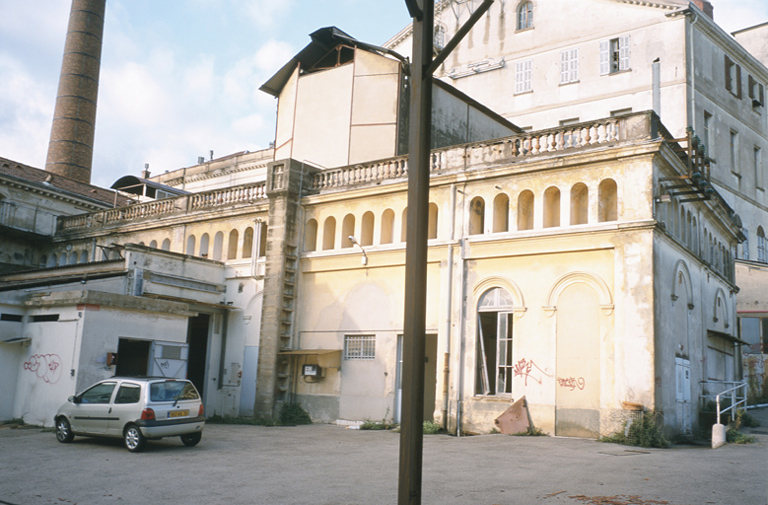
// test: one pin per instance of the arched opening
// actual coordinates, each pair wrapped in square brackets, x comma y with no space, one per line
[204,245]
[366,231]
[579,204]
[166,245]
[476,216]
[501,213]
[551,207]
[329,233]
[83,257]
[310,236]
[494,366]
[525,15]
[347,230]
[218,245]
[153,244]
[762,246]
[607,202]
[248,242]
[404,226]
[234,236]
[387,226]
[525,210]
[263,240]
[432,226]
[190,245]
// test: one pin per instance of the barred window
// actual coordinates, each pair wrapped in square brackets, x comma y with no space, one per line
[359,346]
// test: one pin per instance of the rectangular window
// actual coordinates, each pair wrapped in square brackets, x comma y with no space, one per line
[708,134]
[758,166]
[732,77]
[756,92]
[523,71]
[45,318]
[16,318]
[359,346]
[734,149]
[569,66]
[745,245]
[614,55]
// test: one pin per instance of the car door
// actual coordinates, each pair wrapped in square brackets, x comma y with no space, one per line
[126,407]
[91,411]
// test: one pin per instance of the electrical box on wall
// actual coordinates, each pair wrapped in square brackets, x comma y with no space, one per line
[310,371]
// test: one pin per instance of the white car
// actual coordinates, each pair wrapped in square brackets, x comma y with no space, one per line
[134,409]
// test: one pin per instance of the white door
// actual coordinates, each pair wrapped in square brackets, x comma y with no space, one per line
[683,394]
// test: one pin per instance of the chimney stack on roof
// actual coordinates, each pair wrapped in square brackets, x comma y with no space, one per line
[705,6]
[70,151]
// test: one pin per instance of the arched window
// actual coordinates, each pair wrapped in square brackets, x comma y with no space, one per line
[366,232]
[551,207]
[525,15]
[329,233]
[43,261]
[500,213]
[525,210]
[153,244]
[579,204]
[694,235]
[248,242]
[607,202]
[347,230]
[84,257]
[218,245]
[495,364]
[72,258]
[744,245]
[190,245]
[762,246]
[234,236]
[62,259]
[387,226]
[404,226]
[432,225]
[476,216]
[263,240]
[310,236]
[166,245]
[204,245]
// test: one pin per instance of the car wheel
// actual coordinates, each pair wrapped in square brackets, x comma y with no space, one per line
[191,439]
[64,431]
[134,440]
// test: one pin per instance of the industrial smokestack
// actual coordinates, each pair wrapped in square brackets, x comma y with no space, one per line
[70,151]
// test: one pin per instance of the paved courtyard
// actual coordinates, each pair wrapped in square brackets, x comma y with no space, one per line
[331,465]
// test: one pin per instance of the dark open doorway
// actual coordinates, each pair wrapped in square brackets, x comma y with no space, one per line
[197,338]
[132,357]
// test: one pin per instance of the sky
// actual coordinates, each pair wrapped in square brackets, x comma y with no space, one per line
[180,78]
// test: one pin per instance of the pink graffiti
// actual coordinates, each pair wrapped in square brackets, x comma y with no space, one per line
[47,367]
[523,368]
[571,382]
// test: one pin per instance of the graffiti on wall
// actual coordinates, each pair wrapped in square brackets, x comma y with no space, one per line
[47,367]
[571,383]
[529,370]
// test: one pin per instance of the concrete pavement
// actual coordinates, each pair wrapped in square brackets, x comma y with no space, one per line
[331,465]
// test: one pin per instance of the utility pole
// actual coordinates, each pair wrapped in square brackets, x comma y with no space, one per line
[422,68]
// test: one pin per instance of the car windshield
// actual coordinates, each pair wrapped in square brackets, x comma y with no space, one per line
[169,391]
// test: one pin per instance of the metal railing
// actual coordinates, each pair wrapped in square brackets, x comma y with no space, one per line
[737,394]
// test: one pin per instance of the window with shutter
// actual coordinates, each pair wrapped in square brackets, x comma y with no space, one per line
[569,66]
[523,73]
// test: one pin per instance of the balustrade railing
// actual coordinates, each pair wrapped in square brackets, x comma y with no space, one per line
[166,207]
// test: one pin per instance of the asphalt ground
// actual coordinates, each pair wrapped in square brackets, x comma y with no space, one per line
[332,465]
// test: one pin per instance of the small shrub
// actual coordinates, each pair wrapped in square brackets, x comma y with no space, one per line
[643,432]
[530,431]
[432,428]
[251,421]
[292,414]
[733,436]
[747,421]
[377,425]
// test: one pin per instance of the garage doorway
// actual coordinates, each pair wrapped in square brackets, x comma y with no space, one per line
[132,357]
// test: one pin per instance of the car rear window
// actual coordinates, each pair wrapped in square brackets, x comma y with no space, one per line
[171,391]
[128,393]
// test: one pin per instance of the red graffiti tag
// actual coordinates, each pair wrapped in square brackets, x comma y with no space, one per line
[571,382]
[47,367]
[523,368]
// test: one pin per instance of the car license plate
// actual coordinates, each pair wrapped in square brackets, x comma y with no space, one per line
[178,413]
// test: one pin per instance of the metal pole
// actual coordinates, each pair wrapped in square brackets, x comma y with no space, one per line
[414,321]
[419,143]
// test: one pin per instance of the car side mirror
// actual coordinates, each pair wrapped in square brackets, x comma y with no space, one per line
[74,399]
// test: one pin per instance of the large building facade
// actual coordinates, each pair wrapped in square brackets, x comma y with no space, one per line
[588,262]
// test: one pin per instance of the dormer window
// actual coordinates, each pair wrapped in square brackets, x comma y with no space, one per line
[525,16]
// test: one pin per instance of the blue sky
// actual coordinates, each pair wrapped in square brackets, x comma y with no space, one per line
[180,77]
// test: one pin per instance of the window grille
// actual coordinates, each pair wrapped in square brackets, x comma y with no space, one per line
[359,347]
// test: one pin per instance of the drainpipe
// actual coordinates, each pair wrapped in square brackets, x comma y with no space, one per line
[462,283]
[692,66]
[447,355]
[256,247]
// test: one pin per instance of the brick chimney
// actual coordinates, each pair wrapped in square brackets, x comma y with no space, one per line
[70,151]
[705,6]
